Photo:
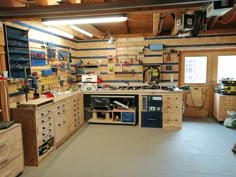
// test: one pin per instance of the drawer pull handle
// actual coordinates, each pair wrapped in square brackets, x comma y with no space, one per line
[59,125]
[151,119]
[44,127]
[3,142]
[42,121]
[43,134]
[42,114]
[49,111]
[58,113]
[50,130]
[49,118]
[64,121]
[4,160]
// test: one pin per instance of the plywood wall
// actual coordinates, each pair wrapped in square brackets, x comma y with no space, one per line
[120,62]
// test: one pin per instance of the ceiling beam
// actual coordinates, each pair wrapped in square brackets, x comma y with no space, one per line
[156,23]
[96,32]
[96,8]
[71,31]
[47,2]
[74,1]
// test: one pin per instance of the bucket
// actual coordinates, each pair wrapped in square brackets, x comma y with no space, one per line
[5,74]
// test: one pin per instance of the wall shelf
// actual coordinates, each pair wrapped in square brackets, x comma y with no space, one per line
[125,72]
[17,52]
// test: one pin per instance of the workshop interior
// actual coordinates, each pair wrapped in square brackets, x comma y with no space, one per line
[69,67]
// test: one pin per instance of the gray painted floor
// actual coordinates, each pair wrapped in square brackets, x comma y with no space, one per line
[202,148]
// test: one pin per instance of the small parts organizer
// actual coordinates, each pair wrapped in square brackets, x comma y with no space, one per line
[38,58]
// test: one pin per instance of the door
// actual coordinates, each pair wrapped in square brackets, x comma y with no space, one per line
[196,73]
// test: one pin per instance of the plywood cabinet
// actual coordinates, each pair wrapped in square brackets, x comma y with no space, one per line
[11,151]
[172,111]
[68,117]
[38,130]
[222,104]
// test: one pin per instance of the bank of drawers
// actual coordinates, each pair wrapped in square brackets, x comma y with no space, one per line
[11,151]
[45,125]
[172,111]
[61,120]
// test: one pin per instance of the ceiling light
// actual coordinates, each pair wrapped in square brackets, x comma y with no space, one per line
[89,20]
[81,31]
[60,32]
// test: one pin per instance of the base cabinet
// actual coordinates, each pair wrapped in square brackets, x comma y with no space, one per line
[222,104]
[68,117]
[11,151]
[47,124]
[38,131]
[172,111]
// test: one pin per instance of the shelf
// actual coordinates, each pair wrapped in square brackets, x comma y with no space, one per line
[125,72]
[85,66]
[108,121]
[9,36]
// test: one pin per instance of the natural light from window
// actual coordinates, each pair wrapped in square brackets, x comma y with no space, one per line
[195,69]
[226,67]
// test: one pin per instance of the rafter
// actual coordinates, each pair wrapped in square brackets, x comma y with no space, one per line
[74,1]
[95,9]
[156,23]
[96,32]
[47,2]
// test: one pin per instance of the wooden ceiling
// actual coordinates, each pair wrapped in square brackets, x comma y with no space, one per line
[145,18]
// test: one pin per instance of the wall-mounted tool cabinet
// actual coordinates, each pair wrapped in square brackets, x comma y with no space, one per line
[11,151]
[17,52]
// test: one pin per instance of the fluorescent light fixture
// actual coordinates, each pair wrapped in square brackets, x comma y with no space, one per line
[81,30]
[60,32]
[89,20]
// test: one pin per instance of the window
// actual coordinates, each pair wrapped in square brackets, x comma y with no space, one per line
[226,67]
[195,69]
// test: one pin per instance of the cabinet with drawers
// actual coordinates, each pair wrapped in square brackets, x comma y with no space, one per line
[11,151]
[172,111]
[222,104]
[68,117]
[38,129]
[61,122]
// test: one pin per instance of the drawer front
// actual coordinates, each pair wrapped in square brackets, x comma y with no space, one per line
[172,98]
[172,107]
[10,153]
[14,168]
[128,117]
[44,112]
[9,138]
[151,119]
[59,106]
[172,120]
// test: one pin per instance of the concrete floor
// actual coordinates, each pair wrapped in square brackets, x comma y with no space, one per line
[202,148]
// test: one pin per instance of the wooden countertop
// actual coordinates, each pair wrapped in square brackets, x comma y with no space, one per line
[134,92]
[38,102]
